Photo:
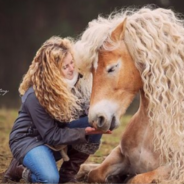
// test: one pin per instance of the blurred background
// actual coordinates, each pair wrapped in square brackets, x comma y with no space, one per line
[26,24]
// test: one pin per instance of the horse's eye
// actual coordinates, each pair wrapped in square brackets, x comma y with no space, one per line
[111,69]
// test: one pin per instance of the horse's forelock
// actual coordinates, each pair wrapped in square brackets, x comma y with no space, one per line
[92,39]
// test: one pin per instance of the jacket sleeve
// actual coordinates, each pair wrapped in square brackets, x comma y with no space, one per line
[48,128]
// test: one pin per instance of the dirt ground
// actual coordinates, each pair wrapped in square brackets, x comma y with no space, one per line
[8,116]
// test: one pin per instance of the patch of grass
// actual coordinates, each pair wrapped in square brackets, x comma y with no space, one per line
[7,118]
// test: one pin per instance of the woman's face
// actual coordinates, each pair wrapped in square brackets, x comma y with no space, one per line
[67,67]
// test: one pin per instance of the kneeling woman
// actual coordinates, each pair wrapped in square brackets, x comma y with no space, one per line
[52,113]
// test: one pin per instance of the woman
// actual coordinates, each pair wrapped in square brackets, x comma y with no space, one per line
[54,103]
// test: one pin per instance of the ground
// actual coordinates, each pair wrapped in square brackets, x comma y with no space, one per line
[8,116]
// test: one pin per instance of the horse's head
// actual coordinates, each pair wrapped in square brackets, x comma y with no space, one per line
[116,80]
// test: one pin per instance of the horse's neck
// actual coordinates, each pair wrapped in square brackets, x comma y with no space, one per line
[143,101]
[142,112]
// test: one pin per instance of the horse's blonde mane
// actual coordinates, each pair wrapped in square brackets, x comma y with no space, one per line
[155,39]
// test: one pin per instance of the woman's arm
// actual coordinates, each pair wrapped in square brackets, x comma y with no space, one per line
[48,128]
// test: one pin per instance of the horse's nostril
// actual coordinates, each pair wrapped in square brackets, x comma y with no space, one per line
[101,121]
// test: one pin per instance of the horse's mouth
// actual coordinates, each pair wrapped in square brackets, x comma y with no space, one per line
[113,123]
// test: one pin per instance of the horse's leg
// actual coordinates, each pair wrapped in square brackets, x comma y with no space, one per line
[82,175]
[159,174]
[114,164]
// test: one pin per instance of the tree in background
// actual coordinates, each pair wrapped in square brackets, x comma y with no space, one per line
[24,25]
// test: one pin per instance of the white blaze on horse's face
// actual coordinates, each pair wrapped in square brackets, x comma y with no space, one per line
[116,80]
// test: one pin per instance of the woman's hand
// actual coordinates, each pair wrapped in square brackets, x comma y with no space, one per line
[90,130]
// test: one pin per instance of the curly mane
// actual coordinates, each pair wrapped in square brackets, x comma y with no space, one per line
[155,40]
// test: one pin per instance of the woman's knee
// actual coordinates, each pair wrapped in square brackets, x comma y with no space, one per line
[49,178]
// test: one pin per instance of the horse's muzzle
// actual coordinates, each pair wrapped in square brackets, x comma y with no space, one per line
[103,124]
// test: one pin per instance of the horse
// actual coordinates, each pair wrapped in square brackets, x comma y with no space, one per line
[137,51]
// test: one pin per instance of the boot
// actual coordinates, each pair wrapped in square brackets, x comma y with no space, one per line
[14,172]
[70,168]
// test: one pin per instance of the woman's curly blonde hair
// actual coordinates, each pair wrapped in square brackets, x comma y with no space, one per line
[45,77]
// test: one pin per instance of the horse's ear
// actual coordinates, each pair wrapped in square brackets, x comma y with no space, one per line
[118,33]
